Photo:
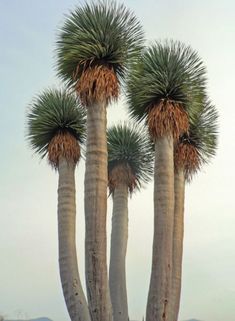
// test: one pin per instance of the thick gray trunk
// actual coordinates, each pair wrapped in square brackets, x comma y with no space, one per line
[71,284]
[95,214]
[117,268]
[178,235]
[160,283]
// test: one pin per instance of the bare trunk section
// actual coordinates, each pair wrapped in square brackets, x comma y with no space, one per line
[160,283]
[95,214]
[178,234]
[69,275]
[117,268]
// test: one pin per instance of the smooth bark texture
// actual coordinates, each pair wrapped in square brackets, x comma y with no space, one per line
[95,214]
[160,283]
[117,268]
[178,234]
[71,284]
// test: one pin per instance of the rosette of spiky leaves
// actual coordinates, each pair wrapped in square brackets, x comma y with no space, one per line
[101,39]
[56,125]
[198,146]
[130,156]
[162,85]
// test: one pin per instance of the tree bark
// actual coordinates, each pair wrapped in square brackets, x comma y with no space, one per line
[160,282]
[117,268]
[69,275]
[95,214]
[178,234]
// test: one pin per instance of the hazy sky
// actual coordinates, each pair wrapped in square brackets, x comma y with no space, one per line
[29,279]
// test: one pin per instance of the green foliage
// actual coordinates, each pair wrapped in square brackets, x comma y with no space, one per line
[51,112]
[166,71]
[95,34]
[130,144]
[203,131]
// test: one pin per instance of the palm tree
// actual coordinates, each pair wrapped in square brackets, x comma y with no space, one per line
[193,149]
[160,89]
[130,157]
[94,48]
[56,128]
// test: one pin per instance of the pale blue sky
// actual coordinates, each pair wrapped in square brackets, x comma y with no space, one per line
[29,280]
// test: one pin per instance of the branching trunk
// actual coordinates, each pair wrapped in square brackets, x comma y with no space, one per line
[160,283]
[95,214]
[117,268]
[178,235]
[71,284]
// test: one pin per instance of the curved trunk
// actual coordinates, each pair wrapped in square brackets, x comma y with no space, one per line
[95,214]
[71,284]
[117,268]
[160,283]
[178,235]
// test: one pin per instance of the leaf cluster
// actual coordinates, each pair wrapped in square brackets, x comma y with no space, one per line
[166,71]
[53,112]
[101,33]
[203,131]
[130,144]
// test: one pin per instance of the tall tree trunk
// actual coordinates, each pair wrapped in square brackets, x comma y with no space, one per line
[178,235]
[160,283]
[117,268]
[71,284]
[95,214]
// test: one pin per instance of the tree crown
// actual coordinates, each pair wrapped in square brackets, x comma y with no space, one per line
[198,146]
[167,74]
[55,116]
[95,34]
[130,156]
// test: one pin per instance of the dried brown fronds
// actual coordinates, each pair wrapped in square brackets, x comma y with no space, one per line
[167,117]
[186,156]
[63,145]
[97,84]
[121,174]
